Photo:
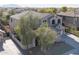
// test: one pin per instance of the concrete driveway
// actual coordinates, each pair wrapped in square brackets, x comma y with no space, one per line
[73,41]
[9,48]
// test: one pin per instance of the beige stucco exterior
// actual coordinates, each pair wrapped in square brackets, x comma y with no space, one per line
[44,16]
[48,17]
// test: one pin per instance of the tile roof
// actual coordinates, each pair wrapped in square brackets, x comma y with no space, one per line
[41,15]
[70,14]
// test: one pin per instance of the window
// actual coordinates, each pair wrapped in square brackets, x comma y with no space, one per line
[53,21]
[78,28]
[11,19]
[44,20]
[63,24]
[59,21]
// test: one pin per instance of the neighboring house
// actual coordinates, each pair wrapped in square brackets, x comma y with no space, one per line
[53,21]
[70,19]
[18,10]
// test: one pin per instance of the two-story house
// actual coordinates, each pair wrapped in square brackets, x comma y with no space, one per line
[54,21]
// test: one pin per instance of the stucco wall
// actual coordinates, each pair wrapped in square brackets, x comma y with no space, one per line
[68,21]
[77,22]
[13,22]
[20,44]
[56,20]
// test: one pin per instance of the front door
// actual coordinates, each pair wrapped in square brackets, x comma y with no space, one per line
[36,42]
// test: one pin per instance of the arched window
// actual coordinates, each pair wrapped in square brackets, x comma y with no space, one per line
[53,21]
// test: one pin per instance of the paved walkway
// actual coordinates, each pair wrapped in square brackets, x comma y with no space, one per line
[9,48]
[73,41]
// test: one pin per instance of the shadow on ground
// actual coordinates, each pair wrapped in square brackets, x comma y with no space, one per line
[54,49]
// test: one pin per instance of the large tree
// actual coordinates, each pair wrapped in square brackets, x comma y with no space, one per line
[25,28]
[24,32]
[46,36]
[5,19]
[34,21]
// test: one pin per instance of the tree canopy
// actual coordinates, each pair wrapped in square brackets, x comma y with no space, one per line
[25,28]
[64,9]
[48,10]
[5,18]
[46,35]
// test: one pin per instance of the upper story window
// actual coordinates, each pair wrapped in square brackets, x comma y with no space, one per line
[59,21]
[44,21]
[78,28]
[53,21]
